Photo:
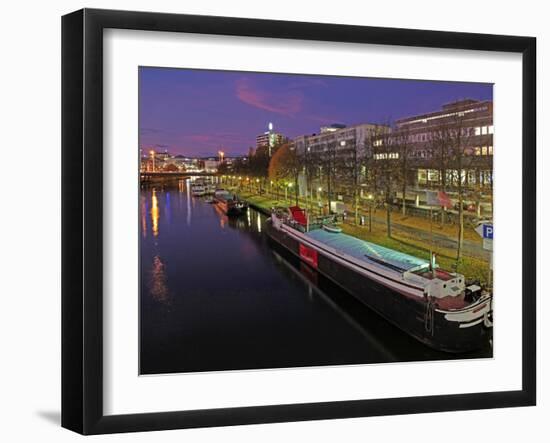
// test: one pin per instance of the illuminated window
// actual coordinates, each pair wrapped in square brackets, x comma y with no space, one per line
[484,130]
[478,131]
[422,176]
[433,175]
[490,150]
[484,150]
[478,150]
[491,129]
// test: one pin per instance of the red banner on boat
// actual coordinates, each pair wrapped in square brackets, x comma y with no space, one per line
[308,255]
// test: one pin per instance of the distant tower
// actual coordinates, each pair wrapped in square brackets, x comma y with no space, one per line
[271,138]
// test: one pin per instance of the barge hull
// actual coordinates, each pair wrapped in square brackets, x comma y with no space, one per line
[410,314]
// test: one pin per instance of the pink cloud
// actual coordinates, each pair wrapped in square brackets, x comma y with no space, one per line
[284,102]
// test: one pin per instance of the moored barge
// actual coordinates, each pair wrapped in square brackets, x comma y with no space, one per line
[432,305]
[229,203]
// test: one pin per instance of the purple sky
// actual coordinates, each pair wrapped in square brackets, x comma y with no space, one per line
[198,112]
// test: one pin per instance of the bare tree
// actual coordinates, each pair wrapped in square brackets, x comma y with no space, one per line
[385,166]
[350,173]
[441,156]
[402,142]
[453,139]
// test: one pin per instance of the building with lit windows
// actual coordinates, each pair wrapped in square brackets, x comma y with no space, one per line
[433,139]
[340,138]
[270,139]
[438,144]
[343,145]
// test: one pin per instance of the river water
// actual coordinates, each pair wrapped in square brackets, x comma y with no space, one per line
[216,294]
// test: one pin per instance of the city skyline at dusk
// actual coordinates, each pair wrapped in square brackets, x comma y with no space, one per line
[199,112]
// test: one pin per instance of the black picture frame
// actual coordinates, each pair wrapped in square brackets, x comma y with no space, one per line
[82,218]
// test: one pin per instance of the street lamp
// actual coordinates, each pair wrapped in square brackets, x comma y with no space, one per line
[370,198]
[287,187]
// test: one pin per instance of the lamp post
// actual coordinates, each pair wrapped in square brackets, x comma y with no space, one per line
[371,197]
[290,187]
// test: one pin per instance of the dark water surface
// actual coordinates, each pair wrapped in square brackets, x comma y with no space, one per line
[216,294]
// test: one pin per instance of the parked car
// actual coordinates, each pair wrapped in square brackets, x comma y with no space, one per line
[470,207]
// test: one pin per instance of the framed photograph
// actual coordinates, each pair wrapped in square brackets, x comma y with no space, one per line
[270,221]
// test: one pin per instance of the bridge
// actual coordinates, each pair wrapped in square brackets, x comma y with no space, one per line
[149,175]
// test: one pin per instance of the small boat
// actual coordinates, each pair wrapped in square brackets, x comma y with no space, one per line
[435,306]
[209,189]
[229,203]
[198,189]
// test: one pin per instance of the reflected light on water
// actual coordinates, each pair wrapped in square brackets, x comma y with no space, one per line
[259,222]
[144,217]
[167,208]
[188,191]
[158,287]
[155,214]
[223,217]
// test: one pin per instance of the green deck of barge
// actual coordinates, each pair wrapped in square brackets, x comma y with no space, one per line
[367,251]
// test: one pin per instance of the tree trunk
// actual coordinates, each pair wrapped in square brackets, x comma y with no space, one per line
[388,220]
[404,204]
[460,229]
[329,189]
[296,188]
[388,214]
[356,204]
[460,216]
[443,179]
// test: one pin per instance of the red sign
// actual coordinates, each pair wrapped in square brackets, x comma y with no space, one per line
[308,255]
[438,198]
[444,200]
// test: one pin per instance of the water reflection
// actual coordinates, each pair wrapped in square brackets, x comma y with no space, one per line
[259,222]
[155,213]
[143,216]
[167,208]
[188,195]
[238,301]
[223,217]
[311,279]
[158,288]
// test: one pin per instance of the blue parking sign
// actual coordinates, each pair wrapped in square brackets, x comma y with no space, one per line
[488,231]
